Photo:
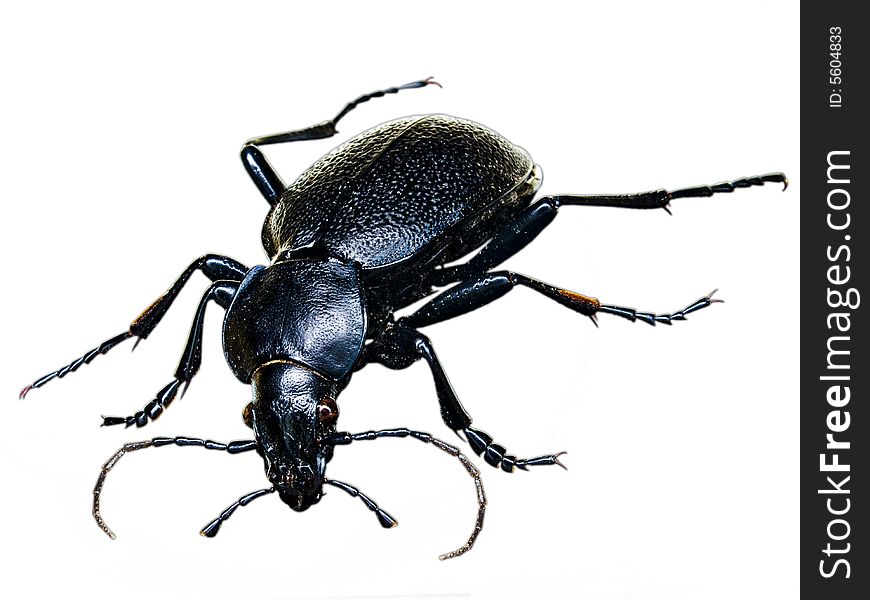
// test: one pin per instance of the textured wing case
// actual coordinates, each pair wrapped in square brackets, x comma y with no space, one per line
[385,195]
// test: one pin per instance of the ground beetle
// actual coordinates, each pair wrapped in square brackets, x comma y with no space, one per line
[367,230]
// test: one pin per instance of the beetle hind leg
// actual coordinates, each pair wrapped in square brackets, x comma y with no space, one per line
[261,171]
[529,223]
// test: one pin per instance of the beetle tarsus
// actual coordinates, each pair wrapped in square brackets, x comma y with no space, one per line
[495,454]
[547,459]
[726,187]
[151,411]
[86,358]
[381,93]
[666,318]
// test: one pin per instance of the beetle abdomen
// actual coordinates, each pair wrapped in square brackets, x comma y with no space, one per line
[387,194]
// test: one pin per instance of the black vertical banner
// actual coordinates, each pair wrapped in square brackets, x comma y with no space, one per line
[835,371]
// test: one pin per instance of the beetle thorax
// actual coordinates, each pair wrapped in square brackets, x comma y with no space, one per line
[306,311]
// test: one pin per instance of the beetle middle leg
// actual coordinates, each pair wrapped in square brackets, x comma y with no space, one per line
[480,291]
[401,346]
[213,266]
[221,292]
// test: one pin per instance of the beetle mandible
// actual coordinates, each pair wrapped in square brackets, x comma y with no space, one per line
[368,230]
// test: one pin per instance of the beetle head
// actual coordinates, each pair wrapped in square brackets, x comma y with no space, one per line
[292,412]
[293,331]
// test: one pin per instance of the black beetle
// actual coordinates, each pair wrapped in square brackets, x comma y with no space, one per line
[368,230]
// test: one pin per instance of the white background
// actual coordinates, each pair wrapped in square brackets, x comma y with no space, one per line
[121,128]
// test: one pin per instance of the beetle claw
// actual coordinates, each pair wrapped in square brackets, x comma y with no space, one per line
[419,83]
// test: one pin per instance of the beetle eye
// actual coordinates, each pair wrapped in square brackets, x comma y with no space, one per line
[327,411]
[248,415]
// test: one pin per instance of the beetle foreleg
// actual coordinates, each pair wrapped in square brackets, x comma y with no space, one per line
[221,292]
[214,266]
[399,347]
[403,341]
[496,455]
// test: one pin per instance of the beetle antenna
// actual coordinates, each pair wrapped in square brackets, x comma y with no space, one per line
[339,439]
[386,519]
[212,528]
[231,448]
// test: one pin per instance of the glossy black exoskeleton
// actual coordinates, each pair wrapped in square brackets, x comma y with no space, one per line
[368,230]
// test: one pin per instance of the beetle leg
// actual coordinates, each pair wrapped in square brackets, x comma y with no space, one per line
[409,345]
[661,198]
[214,266]
[480,291]
[666,318]
[400,347]
[221,292]
[497,456]
[530,222]
[261,171]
